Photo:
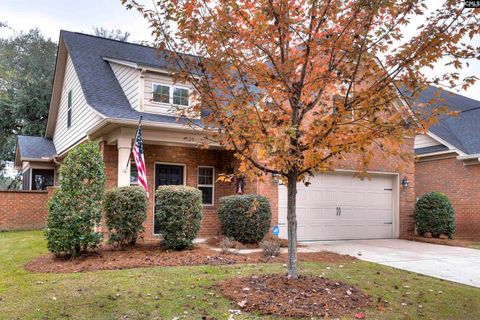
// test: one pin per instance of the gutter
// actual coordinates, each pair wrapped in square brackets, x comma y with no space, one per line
[475,156]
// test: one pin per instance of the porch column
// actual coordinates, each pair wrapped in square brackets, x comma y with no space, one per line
[123,144]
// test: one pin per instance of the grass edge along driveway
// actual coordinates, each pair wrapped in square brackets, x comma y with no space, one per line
[186,292]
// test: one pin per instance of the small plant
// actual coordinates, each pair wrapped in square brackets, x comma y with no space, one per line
[270,247]
[434,214]
[226,245]
[245,218]
[125,212]
[75,209]
[178,213]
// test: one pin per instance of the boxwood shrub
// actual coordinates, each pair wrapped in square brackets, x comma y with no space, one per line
[434,214]
[75,209]
[178,213]
[125,211]
[245,218]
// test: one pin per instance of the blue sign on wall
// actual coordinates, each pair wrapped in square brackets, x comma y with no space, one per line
[276,230]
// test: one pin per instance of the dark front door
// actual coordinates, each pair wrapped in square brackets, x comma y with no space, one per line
[167,174]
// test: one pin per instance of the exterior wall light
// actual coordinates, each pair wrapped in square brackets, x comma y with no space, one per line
[405,182]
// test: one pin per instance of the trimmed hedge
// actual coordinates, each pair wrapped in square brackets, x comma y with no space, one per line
[434,214]
[76,208]
[178,213]
[125,212]
[245,218]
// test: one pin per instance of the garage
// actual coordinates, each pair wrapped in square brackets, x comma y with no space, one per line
[340,206]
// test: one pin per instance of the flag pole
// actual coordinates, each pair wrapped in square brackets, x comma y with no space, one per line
[133,144]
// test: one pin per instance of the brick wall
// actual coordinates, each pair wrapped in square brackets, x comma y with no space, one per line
[192,158]
[23,210]
[223,161]
[460,183]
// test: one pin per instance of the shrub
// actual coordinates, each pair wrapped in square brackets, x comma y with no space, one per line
[75,209]
[125,212]
[178,213]
[434,214]
[245,218]
[270,247]
[227,245]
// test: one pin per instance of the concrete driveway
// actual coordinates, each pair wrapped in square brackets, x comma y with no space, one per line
[456,264]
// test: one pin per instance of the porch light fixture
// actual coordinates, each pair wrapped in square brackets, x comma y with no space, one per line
[405,182]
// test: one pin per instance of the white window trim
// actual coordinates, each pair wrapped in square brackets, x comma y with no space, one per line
[170,94]
[208,185]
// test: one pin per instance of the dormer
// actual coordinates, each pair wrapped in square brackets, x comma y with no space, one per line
[150,90]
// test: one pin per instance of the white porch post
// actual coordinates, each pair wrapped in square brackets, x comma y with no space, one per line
[123,144]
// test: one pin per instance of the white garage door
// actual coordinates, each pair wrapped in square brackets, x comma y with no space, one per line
[341,206]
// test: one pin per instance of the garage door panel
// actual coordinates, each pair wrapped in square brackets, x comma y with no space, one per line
[366,208]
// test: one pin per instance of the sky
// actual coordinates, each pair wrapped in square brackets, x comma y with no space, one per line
[50,16]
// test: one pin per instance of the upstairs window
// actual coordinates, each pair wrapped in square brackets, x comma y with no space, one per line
[205,184]
[161,93]
[180,97]
[69,109]
[170,94]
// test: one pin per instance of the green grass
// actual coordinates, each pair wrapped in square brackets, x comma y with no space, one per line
[165,293]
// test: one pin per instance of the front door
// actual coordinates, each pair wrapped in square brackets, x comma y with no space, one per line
[167,174]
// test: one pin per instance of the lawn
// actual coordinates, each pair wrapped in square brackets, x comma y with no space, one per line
[185,292]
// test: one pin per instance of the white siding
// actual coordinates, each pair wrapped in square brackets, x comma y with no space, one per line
[128,78]
[83,116]
[157,107]
[423,141]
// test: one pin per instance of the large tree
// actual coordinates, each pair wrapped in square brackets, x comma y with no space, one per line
[292,87]
[27,61]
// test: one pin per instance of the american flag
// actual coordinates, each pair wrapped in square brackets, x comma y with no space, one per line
[140,160]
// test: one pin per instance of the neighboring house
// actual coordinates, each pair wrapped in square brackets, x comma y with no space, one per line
[448,159]
[103,86]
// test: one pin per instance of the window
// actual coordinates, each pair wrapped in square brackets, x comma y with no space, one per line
[161,93]
[133,174]
[170,94]
[205,183]
[180,97]
[69,109]
[42,178]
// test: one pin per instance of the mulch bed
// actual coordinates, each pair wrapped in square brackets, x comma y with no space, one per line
[151,255]
[307,296]
[217,240]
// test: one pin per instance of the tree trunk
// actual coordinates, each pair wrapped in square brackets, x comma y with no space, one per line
[292,226]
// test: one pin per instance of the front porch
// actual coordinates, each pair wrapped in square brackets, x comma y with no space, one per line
[177,158]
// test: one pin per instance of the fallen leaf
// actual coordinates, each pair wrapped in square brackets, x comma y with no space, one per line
[360,315]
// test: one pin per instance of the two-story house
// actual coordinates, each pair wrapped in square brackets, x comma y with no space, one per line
[103,86]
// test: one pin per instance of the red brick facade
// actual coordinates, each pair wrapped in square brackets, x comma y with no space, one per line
[460,183]
[23,210]
[191,158]
[222,161]
[26,210]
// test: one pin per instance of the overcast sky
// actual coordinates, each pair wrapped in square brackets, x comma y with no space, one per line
[50,16]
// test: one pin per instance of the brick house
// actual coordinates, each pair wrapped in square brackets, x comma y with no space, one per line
[448,159]
[101,88]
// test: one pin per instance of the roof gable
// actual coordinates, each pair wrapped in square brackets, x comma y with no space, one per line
[461,131]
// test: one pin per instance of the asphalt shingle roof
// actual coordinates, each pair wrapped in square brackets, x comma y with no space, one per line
[99,84]
[35,147]
[462,131]
[104,93]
